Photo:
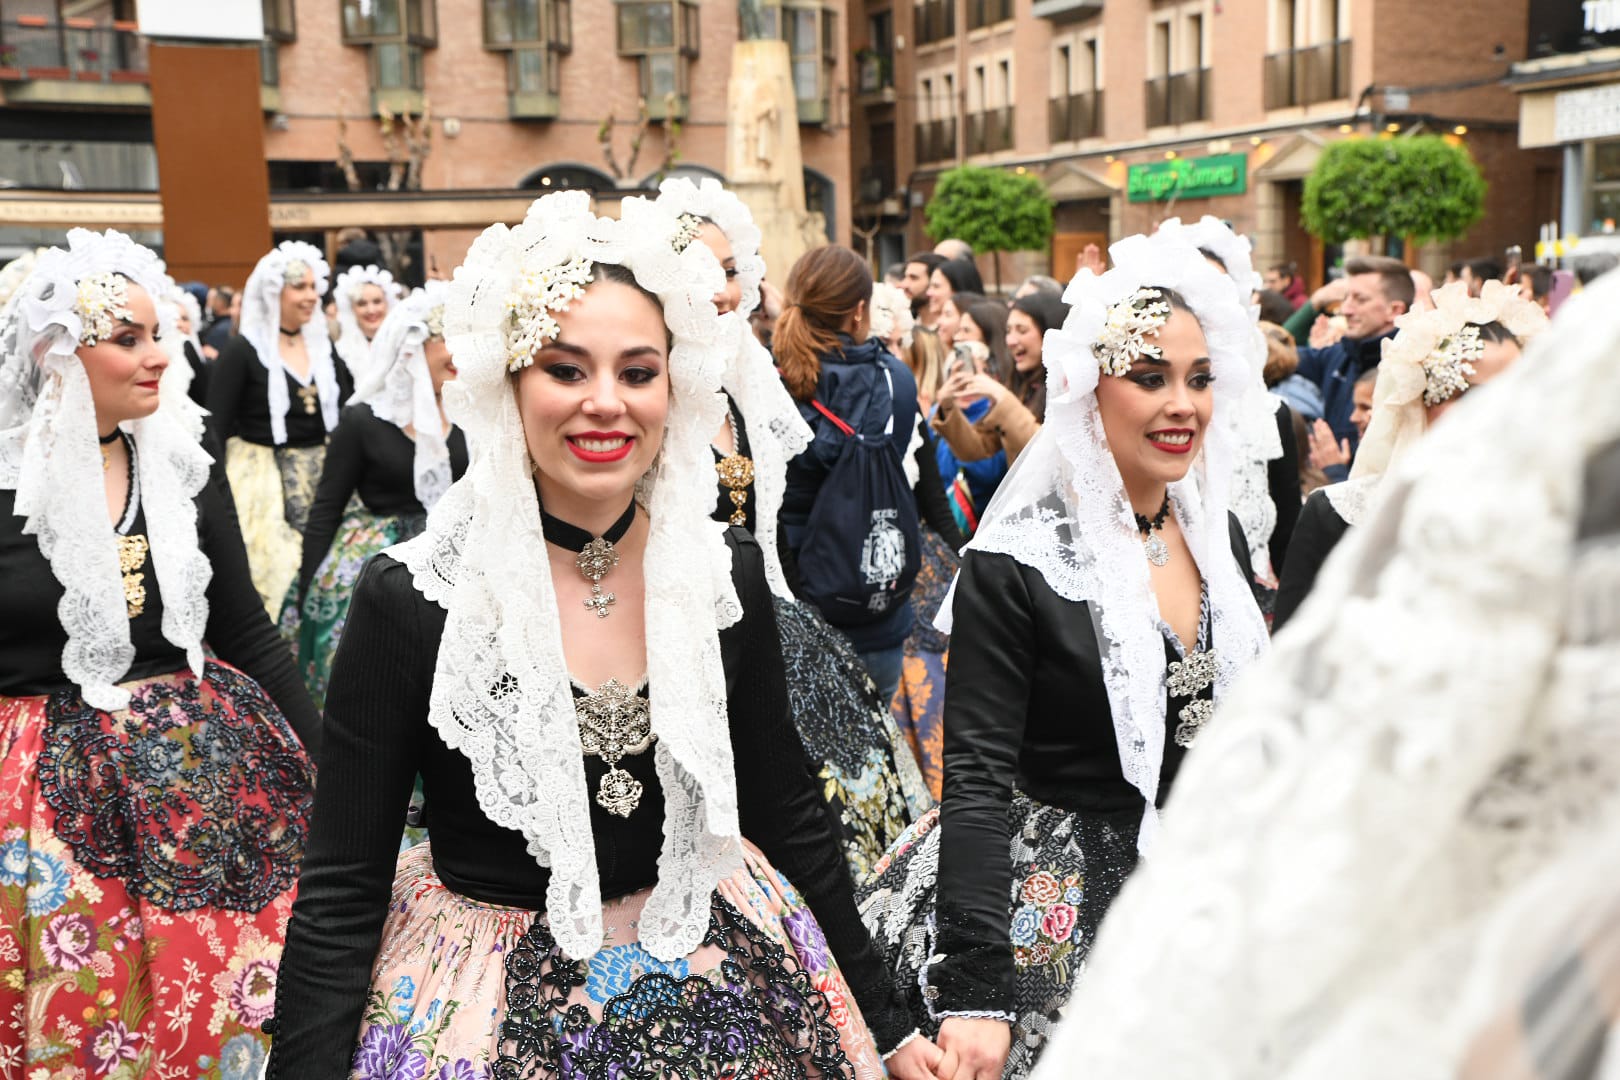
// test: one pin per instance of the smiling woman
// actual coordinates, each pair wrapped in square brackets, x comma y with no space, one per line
[1083,661]
[583,668]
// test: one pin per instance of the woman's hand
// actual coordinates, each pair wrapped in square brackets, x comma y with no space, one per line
[1324,332]
[919,1059]
[1325,450]
[948,391]
[982,386]
[979,1046]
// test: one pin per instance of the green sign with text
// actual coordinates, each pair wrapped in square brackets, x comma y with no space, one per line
[1189,178]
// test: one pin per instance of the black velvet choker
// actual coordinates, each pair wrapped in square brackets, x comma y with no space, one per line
[559,532]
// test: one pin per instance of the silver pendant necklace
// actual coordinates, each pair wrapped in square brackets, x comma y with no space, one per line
[594,556]
[1153,545]
[614,722]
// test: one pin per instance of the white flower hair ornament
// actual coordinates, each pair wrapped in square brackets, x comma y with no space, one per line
[291,262]
[78,295]
[709,200]
[501,691]
[1123,340]
[1429,361]
[891,314]
[351,281]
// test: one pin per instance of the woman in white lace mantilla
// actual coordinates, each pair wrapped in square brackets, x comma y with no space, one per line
[1402,864]
[273,396]
[396,451]
[865,769]
[364,296]
[582,666]
[1102,608]
[1437,355]
[153,799]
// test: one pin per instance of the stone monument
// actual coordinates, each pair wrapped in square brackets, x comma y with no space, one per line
[763,162]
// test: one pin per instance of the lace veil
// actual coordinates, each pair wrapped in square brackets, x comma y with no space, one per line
[1399,418]
[352,345]
[1374,842]
[1062,508]
[399,388]
[174,386]
[776,432]
[1255,418]
[261,325]
[501,691]
[49,456]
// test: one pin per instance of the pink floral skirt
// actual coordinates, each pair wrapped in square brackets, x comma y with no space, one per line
[463,990]
[148,859]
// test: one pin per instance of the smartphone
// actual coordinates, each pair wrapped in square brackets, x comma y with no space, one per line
[970,355]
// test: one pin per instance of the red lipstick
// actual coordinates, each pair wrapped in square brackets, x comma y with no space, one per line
[1177,448]
[600,454]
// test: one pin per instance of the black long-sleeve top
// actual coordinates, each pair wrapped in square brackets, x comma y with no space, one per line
[1318,532]
[1025,706]
[238,631]
[376,459]
[1282,478]
[378,738]
[239,399]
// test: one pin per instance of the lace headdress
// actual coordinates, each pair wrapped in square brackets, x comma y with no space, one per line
[49,456]
[15,272]
[174,386]
[1255,418]
[400,387]
[261,325]
[1388,822]
[352,345]
[1428,361]
[891,312]
[776,432]
[1062,509]
[501,691]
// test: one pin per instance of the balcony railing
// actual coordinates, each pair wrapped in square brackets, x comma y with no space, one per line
[987,12]
[936,21]
[877,182]
[991,131]
[78,49]
[1075,116]
[1178,99]
[936,140]
[1308,76]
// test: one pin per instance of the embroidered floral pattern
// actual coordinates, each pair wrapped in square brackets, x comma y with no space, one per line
[103,984]
[208,784]
[1446,371]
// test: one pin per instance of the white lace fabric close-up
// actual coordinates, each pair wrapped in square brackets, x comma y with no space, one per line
[49,456]
[1062,509]
[261,325]
[501,690]
[776,432]
[399,388]
[1347,876]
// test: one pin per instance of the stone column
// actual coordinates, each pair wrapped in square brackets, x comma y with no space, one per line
[764,164]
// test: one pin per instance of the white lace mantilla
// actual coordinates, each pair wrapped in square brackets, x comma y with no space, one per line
[501,687]
[261,325]
[400,388]
[50,457]
[1396,820]
[352,344]
[1062,509]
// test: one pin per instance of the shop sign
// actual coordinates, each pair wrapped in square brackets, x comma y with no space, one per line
[1189,178]
[1589,113]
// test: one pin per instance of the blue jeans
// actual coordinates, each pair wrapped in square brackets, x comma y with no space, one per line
[884,667]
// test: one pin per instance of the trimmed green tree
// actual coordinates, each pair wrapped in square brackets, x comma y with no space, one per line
[993,210]
[1420,186]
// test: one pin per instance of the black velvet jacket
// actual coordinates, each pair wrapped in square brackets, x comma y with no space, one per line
[1316,534]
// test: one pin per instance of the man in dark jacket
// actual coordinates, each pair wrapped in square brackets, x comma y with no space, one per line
[1379,289]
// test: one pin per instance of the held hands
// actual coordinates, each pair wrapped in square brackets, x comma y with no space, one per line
[919,1059]
[974,1049]
[1325,450]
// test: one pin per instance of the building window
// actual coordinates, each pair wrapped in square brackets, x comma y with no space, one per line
[935,21]
[397,32]
[280,24]
[1178,86]
[981,13]
[1077,99]
[518,24]
[1311,61]
[663,36]
[810,29]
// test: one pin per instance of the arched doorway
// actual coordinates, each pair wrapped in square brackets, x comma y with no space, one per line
[568,176]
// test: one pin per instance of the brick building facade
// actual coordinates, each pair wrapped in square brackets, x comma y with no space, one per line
[1095,96]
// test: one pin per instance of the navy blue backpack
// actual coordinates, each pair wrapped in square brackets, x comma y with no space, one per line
[861,549]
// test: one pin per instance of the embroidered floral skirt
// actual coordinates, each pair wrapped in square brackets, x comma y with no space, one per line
[919,704]
[314,629]
[465,990]
[1068,867]
[866,770]
[273,488]
[147,864]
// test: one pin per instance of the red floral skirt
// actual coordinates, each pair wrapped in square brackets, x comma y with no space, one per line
[148,858]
